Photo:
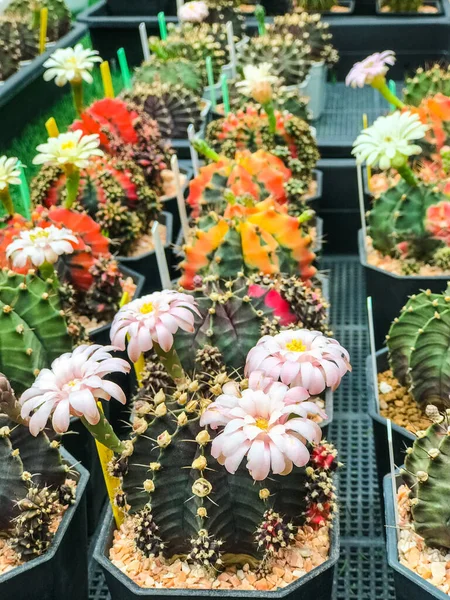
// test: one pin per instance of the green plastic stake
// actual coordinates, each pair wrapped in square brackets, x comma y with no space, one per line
[393,90]
[225,94]
[25,192]
[210,75]
[260,14]
[162,25]
[124,68]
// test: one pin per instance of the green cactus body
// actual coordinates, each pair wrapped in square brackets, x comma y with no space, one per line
[33,327]
[398,215]
[58,15]
[315,5]
[12,486]
[426,473]
[10,47]
[419,345]
[288,56]
[426,83]
[182,497]
[173,71]
[402,5]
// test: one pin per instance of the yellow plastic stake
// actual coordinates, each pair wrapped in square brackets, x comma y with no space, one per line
[108,89]
[112,483]
[43,30]
[139,365]
[52,128]
[368,168]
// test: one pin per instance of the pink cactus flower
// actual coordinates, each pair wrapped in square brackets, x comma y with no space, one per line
[364,72]
[437,221]
[72,387]
[153,318]
[300,358]
[403,248]
[257,425]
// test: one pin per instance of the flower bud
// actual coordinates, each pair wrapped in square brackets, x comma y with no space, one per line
[149,486]
[201,487]
[164,439]
[161,410]
[182,419]
[200,463]
[203,437]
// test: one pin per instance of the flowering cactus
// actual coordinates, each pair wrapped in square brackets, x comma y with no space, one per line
[249,237]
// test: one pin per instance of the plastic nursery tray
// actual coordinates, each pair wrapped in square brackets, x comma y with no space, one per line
[390,292]
[316,584]
[25,95]
[62,572]
[408,585]
[142,7]
[436,4]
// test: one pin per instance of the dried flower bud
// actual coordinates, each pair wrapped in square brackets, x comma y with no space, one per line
[160,397]
[203,437]
[191,406]
[164,439]
[140,425]
[201,487]
[200,463]
[149,486]
[161,410]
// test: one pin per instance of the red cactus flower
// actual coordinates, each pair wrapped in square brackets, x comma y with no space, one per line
[437,221]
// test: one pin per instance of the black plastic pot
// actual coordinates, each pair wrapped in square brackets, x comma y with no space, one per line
[401,437]
[25,94]
[317,584]
[62,572]
[276,7]
[434,3]
[142,7]
[408,585]
[146,264]
[390,292]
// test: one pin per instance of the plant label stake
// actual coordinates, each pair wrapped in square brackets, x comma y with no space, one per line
[362,208]
[162,26]
[43,30]
[210,75]
[124,68]
[105,456]
[161,257]
[225,94]
[368,167]
[393,90]
[230,39]
[144,41]
[392,467]
[24,192]
[180,198]
[52,127]
[194,156]
[373,357]
[108,89]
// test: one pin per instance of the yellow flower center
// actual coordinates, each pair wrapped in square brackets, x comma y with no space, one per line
[262,424]
[68,145]
[296,346]
[39,235]
[73,383]
[147,308]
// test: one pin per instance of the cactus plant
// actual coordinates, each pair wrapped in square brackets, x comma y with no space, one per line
[418,343]
[185,502]
[129,134]
[17,42]
[426,473]
[248,129]
[289,56]
[222,11]
[58,15]
[32,480]
[235,314]
[249,237]
[173,107]
[315,5]
[113,192]
[172,71]
[284,99]
[312,30]
[402,221]
[425,83]
[402,5]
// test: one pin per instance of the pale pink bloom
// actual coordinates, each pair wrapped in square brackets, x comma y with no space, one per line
[301,358]
[193,12]
[153,318]
[72,387]
[219,412]
[41,245]
[364,72]
[257,425]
